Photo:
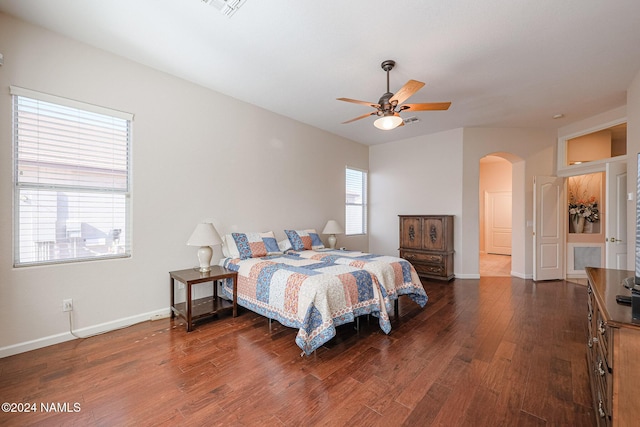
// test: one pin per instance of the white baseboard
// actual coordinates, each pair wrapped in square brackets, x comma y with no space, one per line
[84,332]
[477,276]
[521,275]
[467,276]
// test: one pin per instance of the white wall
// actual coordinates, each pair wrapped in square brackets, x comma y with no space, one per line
[439,174]
[416,176]
[261,172]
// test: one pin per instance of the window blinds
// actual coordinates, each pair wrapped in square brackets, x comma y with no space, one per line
[72,180]
[356,202]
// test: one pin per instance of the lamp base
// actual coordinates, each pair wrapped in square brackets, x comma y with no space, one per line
[204,258]
[332,241]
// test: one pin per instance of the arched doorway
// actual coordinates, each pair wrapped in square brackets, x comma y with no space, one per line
[495,215]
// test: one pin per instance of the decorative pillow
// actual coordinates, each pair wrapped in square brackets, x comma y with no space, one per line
[251,245]
[284,245]
[304,239]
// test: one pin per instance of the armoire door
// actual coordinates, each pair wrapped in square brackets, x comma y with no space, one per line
[411,233]
[433,230]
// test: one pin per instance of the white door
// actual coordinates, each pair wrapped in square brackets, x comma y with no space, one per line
[548,228]
[497,205]
[616,216]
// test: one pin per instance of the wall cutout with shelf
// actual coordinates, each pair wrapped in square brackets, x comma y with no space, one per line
[590,150]
[584,196]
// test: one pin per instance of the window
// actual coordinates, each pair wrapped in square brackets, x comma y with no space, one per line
[72,180]
[589,151]
[603,144]
[356,202]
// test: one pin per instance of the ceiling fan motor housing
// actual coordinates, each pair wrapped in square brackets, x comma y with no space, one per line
[385,105]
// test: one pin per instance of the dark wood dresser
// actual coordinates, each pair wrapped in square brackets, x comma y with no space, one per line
[613,349]
[427,242]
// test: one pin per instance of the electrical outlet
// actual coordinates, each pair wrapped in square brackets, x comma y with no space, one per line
[67,305]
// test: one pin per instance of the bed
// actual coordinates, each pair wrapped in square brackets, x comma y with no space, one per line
[395,275]
[314,290]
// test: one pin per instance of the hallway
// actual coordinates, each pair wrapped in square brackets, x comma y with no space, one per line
[492,265]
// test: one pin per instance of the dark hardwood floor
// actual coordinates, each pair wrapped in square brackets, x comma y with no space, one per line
[497,351]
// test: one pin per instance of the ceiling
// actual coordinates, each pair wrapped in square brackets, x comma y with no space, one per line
[502,63]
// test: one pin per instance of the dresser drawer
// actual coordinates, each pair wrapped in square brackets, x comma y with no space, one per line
[432,265]
[602,380]
[603,334]
[424,258]
[436,270]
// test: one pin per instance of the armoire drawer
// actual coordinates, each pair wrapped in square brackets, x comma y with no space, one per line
[422,257]
[436,270]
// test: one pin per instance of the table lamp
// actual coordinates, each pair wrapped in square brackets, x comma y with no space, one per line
[205,236]
[332,228]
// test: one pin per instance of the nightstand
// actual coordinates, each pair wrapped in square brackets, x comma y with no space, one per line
[191,309]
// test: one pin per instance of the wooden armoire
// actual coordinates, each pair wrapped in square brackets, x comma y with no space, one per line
[427,242]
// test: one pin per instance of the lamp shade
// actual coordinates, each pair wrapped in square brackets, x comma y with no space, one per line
[205,234]
[332,227]
[388,122]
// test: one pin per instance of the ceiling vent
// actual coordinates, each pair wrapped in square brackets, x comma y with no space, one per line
[226,7]
[411,120]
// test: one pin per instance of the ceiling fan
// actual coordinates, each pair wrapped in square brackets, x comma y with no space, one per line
[390,105]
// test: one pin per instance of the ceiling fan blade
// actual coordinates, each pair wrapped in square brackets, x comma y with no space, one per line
[373,113]
[355,101]
[431,106]
[411,87]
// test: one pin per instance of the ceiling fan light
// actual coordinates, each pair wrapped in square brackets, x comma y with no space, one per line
[388,122]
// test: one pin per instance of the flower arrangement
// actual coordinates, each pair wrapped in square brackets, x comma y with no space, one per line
[586,208]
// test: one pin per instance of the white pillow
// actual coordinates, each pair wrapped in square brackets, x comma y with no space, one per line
[284,245]
[225,247]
